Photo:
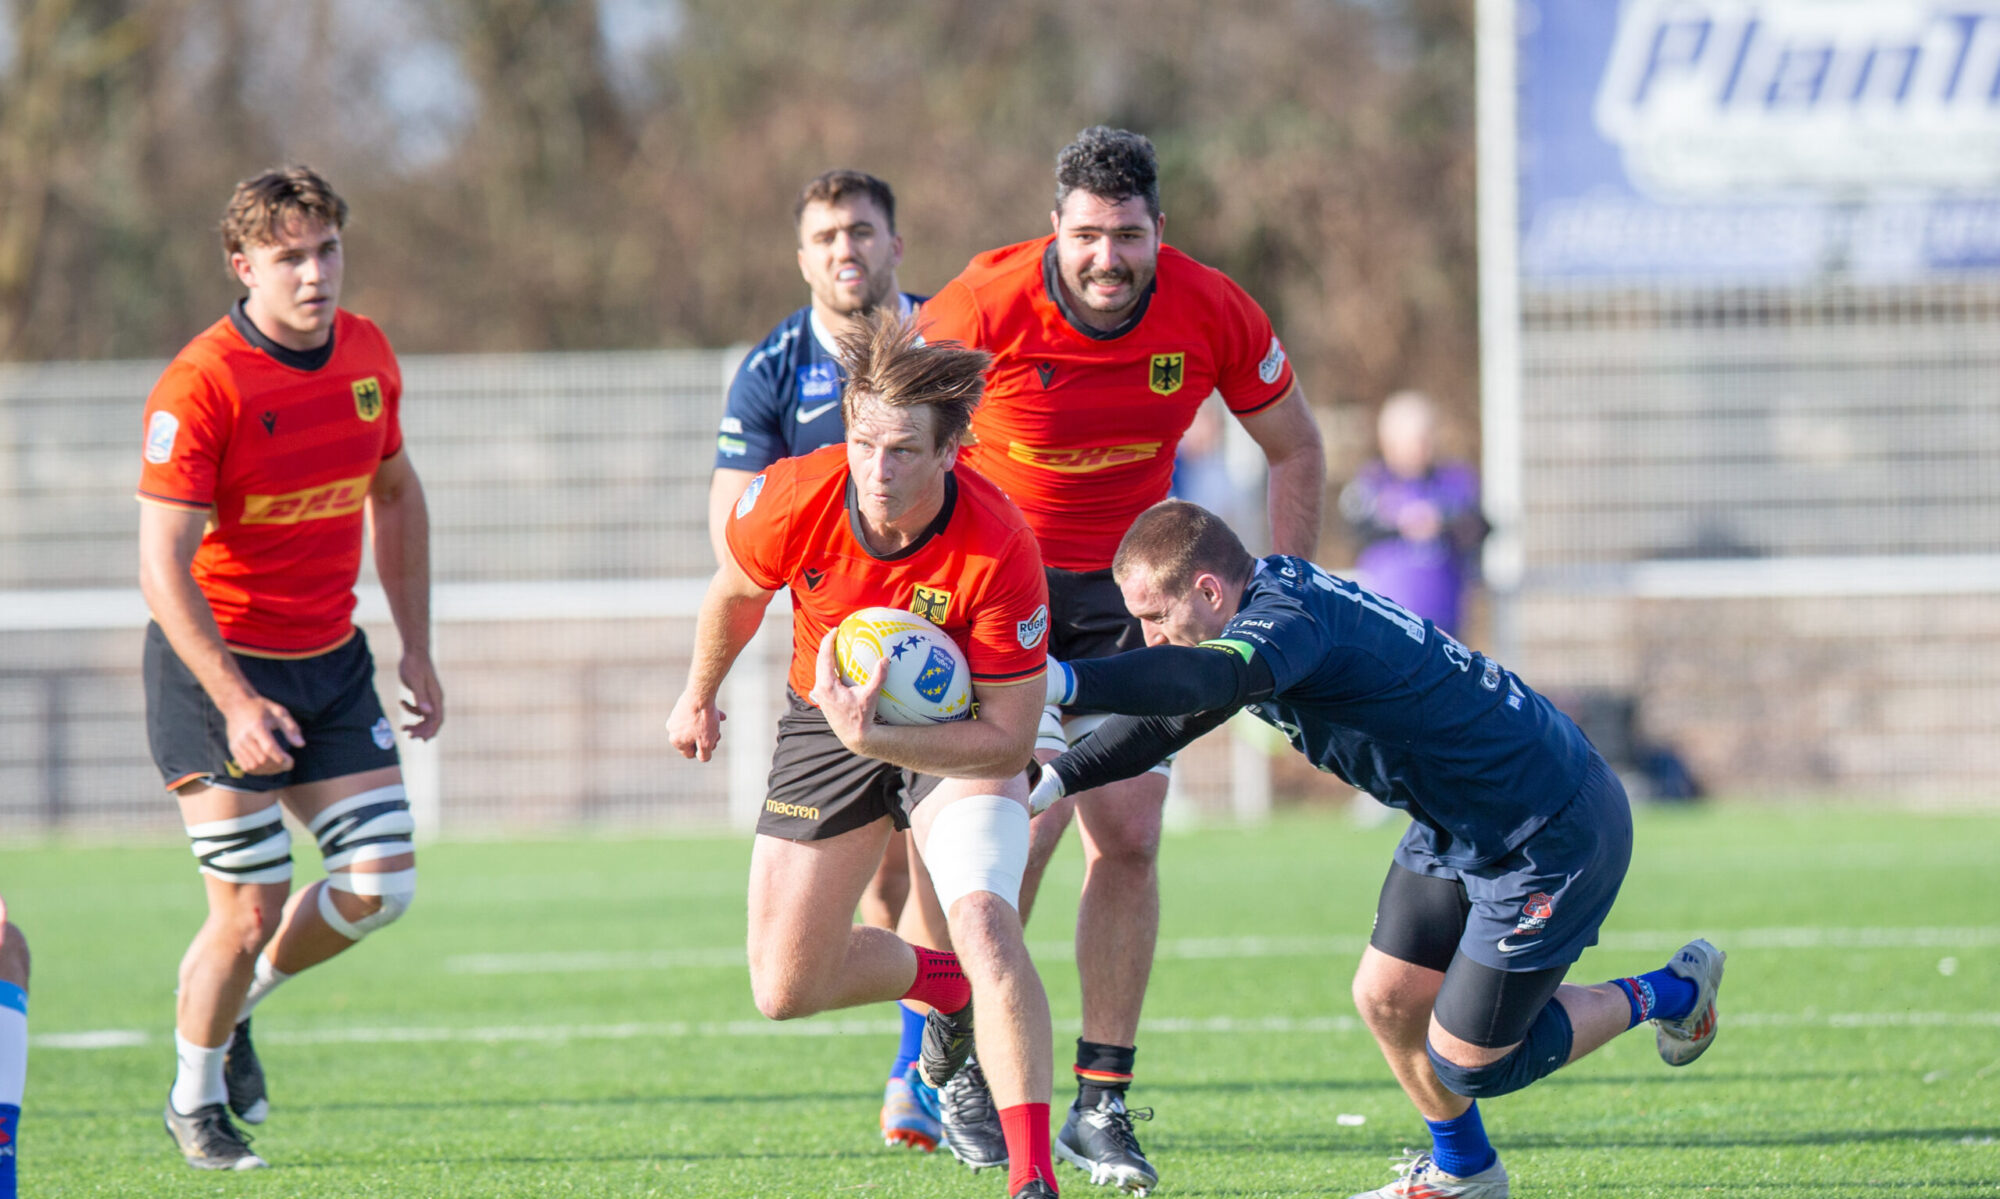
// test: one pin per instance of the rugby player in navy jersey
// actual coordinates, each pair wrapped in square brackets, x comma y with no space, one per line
[1519,835]
[785,399]
[785,402]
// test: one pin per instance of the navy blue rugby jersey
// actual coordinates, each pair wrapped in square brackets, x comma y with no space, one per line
[1397,707]
[785,399]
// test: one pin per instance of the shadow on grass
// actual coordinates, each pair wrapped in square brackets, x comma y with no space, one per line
[1368,1085]
[1623,1141]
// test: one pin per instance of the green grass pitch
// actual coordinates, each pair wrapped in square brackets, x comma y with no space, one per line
[573,1018]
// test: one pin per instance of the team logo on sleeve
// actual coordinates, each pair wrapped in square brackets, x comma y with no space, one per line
[1029,632]
[931,603]
[160,433]
[749,499]
[367,398]
[1273,363]
[1167,373]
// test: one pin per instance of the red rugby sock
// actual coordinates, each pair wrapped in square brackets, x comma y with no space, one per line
[1026,1127]
[940,982]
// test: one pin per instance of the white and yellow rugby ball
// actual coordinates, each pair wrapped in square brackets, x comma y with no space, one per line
[928,681]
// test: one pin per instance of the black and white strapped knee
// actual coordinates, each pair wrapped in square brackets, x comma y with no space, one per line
[256,848]
[367,827]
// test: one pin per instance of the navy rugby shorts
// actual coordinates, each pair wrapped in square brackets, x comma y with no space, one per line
[1540,906]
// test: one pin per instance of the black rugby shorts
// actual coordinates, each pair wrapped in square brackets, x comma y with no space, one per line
[330,695]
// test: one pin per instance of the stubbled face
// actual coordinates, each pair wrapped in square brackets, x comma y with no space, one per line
[1190,618]
[848,255]
[1107,254]
[294,283]
[895,462]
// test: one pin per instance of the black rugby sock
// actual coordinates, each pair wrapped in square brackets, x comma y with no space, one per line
[1101,1069]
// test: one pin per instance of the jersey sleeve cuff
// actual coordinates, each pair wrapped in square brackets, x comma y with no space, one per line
[1262,404]
[172,501]
[1018,676]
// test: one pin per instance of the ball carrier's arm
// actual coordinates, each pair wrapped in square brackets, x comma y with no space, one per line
[731,612]
[995,746]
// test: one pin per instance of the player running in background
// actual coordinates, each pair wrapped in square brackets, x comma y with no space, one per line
[266,440]
[784,402]
[13,1046]
[1105,343]
[888,520]
[1519,839]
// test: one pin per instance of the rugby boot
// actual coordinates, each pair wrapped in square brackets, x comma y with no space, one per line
[971,1123]
[1034,1188]
[209,1141]
[1418,1177]
[905,1118]
[1681,1041]
[1100,1140]
[243,1074]
[947,1043]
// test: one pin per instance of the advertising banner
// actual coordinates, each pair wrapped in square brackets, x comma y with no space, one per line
[1759,141]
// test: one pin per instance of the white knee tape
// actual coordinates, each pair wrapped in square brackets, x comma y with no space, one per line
[1049,735]
[1076,728]
[256,848]
[979,843]
[395,889]
[366,827]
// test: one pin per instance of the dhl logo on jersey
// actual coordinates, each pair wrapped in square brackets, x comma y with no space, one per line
[1082,460]
[338,498]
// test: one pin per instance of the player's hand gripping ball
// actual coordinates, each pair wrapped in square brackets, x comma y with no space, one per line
[928,681]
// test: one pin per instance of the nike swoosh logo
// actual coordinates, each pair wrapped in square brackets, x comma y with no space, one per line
[1504,947]
[809,415]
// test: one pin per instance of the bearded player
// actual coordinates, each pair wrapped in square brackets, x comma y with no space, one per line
[1105,343]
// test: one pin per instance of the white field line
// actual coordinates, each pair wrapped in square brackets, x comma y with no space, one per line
[1201,948]
[669,1030]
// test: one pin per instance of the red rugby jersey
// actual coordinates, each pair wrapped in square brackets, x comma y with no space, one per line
[1080,429]
[976,573]
[281,458]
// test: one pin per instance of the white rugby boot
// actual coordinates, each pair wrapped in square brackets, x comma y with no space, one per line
[1418,1177]
[1681,1041]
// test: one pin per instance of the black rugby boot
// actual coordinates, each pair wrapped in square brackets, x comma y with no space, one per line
[947,1043]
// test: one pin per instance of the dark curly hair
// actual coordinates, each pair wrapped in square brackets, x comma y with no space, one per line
[1112,164]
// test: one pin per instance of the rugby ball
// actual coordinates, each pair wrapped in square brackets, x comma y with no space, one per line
[928,681]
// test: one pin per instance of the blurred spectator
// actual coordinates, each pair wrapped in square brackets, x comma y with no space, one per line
[1417,519]
[1201,466]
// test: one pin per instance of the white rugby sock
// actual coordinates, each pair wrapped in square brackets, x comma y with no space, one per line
[199,1081]
[267,979]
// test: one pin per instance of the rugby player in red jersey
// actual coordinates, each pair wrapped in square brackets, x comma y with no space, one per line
[785,401]
[268,442]
[1105,341]
[889,519]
